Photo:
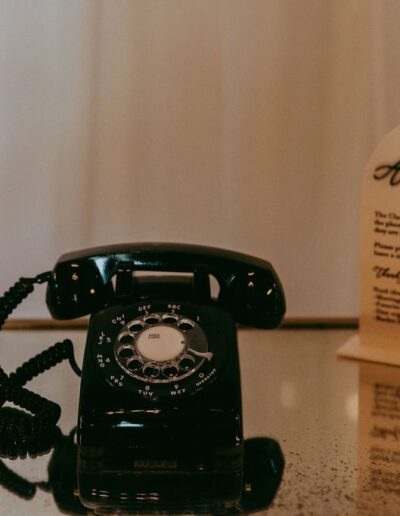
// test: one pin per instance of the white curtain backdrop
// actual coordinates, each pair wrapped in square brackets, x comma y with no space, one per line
[242,124]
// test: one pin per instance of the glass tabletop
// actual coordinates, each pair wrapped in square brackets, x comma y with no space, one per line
[337,422]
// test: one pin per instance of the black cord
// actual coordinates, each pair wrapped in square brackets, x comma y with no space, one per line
[15,483]
[17,293]
[34,430]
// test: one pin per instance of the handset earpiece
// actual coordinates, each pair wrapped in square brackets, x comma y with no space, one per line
[77,288]
[254,297]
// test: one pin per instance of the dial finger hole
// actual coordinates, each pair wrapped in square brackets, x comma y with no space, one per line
[125,338]
[151,371]
[134,364]
[125,352]
[186,362]
[170,371]
[170,318]
[151,319]
[186,324]
[135,326]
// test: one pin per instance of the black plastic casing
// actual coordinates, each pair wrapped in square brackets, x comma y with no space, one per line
[250,289]
[162,454]
[174,454]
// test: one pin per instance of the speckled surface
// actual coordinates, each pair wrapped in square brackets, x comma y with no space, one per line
[336,421]
[295,390]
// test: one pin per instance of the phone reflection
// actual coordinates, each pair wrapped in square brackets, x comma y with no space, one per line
[262,475]
[379,439]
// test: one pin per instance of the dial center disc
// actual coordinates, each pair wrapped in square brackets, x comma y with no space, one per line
[160,343]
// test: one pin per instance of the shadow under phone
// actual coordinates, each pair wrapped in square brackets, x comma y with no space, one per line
[263,468]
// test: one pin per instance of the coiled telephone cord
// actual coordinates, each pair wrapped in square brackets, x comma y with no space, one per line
[34,430]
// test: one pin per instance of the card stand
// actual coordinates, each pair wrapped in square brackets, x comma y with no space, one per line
[354,350]
[379,336]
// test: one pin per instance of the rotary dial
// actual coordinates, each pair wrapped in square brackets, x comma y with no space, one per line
[161,347]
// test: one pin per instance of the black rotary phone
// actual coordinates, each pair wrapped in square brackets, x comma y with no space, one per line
[160,423]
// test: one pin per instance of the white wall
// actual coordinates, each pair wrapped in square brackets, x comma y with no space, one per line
[242,124]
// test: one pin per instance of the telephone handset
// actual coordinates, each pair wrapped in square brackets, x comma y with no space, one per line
[160,391]
[249,287]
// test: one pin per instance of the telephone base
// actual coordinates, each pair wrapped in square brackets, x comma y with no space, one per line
[161,493]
